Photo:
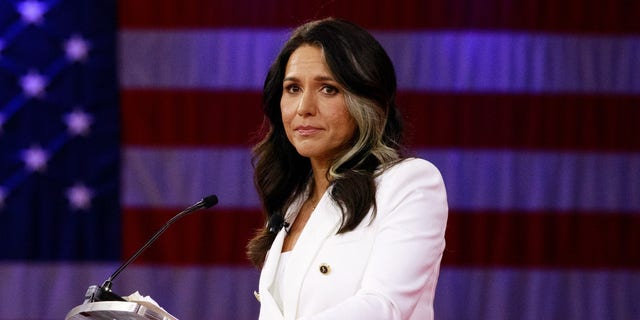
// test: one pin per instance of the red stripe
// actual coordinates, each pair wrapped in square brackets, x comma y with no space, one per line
[210,237]
[190,118]
[562,122]
[538,15]
[477,239]
[542,239]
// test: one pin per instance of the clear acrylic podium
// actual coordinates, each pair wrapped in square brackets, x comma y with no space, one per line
[121,310]
[104,304]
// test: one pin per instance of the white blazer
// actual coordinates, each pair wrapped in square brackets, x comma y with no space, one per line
[385,269]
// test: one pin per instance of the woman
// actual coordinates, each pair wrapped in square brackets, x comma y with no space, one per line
[355,230]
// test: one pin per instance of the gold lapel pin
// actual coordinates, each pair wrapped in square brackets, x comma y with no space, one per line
[325,268]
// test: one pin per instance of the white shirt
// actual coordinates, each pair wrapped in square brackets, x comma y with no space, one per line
[279,280]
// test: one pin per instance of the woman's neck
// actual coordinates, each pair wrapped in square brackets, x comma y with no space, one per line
[320,180]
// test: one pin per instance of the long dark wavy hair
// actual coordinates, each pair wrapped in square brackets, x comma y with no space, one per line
[362,67]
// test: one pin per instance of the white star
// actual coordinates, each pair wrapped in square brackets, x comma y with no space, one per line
[79,197]
[78,122]
[35,158]
[32,11]
[33,84]
[76,48]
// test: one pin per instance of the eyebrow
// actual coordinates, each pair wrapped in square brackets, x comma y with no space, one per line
[318,78]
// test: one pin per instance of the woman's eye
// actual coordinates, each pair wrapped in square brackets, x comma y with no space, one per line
[292,88]
[329,90]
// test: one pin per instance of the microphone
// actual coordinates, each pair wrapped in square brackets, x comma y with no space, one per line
[276,222]
[103,292]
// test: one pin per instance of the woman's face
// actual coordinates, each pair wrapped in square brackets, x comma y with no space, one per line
[314,112]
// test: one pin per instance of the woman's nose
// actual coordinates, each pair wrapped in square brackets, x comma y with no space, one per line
[306,104]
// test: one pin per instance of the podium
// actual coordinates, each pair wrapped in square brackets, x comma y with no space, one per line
[104,304]
[100,303]
[120,310]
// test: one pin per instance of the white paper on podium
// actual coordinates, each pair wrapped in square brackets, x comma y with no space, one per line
[143,300]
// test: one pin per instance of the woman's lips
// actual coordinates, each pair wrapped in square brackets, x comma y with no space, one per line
[306,130]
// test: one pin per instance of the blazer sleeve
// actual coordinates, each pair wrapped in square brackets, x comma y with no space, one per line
[401,275]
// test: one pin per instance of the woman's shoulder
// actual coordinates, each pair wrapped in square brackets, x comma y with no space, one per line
[410,167]
[416,186]
[410,175]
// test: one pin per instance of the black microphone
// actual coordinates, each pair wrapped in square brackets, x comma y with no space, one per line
[276,222]
[103,292]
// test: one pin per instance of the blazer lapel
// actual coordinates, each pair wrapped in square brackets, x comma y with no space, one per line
[324,222]
[269,307]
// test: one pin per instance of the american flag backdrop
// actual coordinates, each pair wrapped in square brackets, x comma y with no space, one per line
[115,115]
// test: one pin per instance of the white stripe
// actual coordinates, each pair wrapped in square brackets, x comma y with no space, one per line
[476,180]
[424,60]
[33,291]
[528,294]
[179,177]
[50,291]
[514,62]
[213,59]
[506,180]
